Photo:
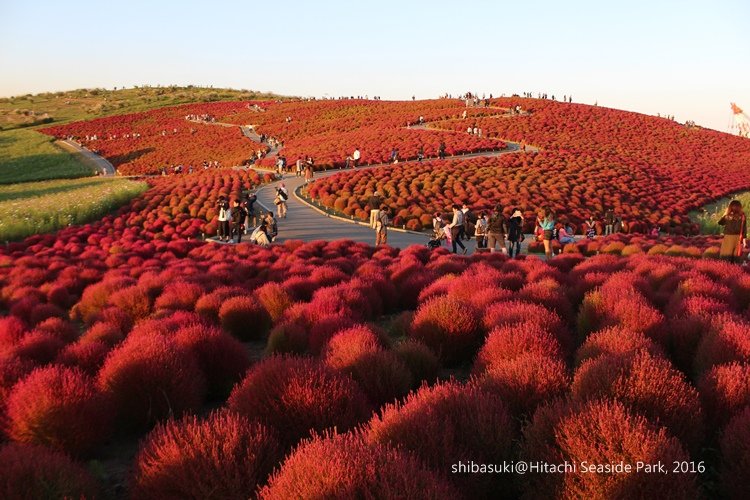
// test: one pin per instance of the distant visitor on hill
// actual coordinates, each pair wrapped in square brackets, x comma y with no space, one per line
[735,231]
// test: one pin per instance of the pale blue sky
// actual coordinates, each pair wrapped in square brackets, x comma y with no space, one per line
[685,58]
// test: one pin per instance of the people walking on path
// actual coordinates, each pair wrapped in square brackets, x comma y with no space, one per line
[735,231]
[282,195]
[309,170]
[457,229]
[515,233]
[375,202]
[546,221]
[420,154]
[496,230]
[224,216]
[381,226]
[480,230]
[239,214]
[441,150]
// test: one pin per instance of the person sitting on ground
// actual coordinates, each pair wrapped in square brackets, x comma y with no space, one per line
[272,229]
[260,235]
[565,235]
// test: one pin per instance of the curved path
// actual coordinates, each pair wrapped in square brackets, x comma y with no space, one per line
[306,221]
[98,163]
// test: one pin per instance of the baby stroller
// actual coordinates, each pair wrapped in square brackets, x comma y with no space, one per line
[437,240]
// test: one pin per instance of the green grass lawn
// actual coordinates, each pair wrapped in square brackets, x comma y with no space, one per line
[27,155]
[42,207]
[708,217]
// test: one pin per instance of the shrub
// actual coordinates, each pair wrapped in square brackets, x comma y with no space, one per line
[348,346]
[88,356]
[11,331]
[342,466]
[735,453]
[33,471]
[516,312]
[725,343]
[447,423]
[209,304]
[222,358]
[615,340]
[150,378]
[297,395]
[223,456]
[325,327]
[287,338]
[383,376]
[647,385]
[104,332]
[509,342]
[420,360]
[452,329]
[179,295]
[134,300]
[274,299]
[245,318]
[601,432]
[725,390]
[64,330]
[61,408]
[41,347]
[526,381]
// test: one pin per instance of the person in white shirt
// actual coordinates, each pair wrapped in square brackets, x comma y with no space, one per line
[356,156]
[457,229]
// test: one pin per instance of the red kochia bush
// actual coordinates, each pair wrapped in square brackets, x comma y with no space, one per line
[88,356]
[209,304]
[381,374]
[61,408]
[342,466]
[179,295]
[509,342]
[725,390]
[448,423]
[601,432]
[150,378]
[451,328]
[245,318]
[33,471]
[735,454]
[516,312]
[349,345]
[274,298]
[526,381]
[420,360]
[727,342]
[615,340]
[296,395]
[223,359]
[223,456]
[649,386]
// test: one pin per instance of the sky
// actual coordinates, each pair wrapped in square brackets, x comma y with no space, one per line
[688,59]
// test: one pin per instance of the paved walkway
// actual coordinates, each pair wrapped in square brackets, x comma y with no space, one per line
[88,157]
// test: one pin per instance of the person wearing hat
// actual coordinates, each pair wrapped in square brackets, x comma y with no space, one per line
[515,233]
[375,202]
